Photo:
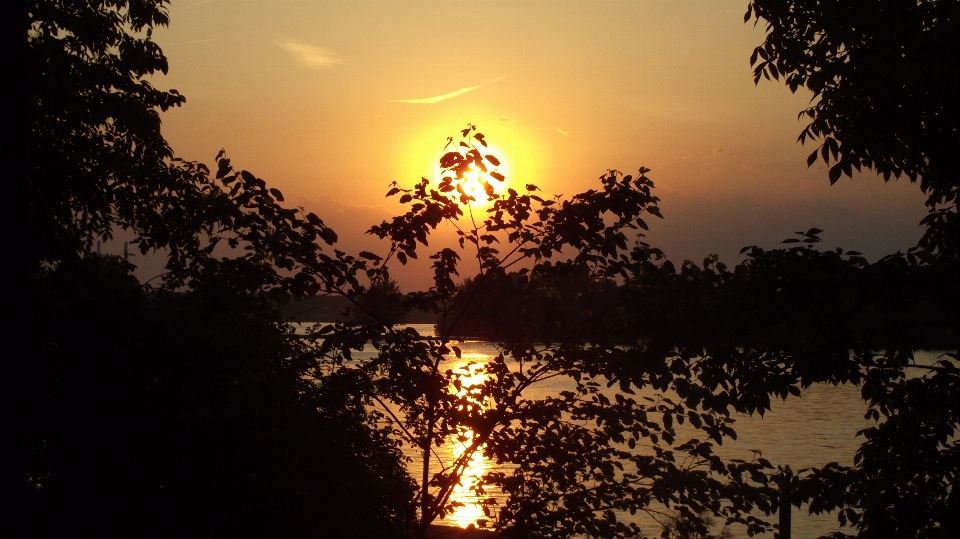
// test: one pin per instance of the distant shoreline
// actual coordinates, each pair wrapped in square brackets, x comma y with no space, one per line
[441,531]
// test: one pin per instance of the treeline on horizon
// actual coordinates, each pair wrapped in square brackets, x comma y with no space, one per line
[758,300]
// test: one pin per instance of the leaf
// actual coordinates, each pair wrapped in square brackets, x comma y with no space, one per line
[223,168]
[493,159]
[479,137]
[328,236]
[276,194]
[370,256]
[450,159]
[835,172]
[812,232]
[790,240]
[497,176]
[393,191]
[405,198]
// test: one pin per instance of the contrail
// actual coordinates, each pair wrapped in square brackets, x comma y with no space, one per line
[444,97]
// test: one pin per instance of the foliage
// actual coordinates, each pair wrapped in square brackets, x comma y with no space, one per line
[189,404]
[634,428]
[549,303]
[204,404]
[885,91]
[96,159]
[786,319]
[125,404]
[380,303]
[93,146]
[579,457]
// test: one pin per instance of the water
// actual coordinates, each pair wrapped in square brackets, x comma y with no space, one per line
[813,430]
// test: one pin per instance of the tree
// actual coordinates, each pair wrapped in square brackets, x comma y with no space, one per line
[713,340]
[885,92]
[93,148]
[885,97]
[581,456]
[228,404]
[154,403]
[789,318]
[186,396]
[381,303]
[548,303]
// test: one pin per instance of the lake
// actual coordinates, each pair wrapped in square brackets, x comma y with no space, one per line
[818,428]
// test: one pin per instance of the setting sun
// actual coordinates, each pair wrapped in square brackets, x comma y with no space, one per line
[480,182]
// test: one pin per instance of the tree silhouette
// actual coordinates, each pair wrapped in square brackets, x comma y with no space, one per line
[578,457]
[125,403]
[885,92]
[179,407]
[885,85]
[712,341]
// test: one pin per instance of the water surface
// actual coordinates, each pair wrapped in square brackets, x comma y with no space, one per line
[813,430]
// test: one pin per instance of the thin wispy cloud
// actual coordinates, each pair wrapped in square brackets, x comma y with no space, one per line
[444,97]
[562,132]
[314,57]
[192,42]
[200,3]
[504,119]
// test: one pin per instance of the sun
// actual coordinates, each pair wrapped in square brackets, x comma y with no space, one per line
[475,180]
[473,185]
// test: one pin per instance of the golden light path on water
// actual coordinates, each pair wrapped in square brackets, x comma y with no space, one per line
[470,369]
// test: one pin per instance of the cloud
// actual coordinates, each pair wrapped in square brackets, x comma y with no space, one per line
[562,132]
[200,3]
[314,57]
[504,119]
[192,42]
[444,97]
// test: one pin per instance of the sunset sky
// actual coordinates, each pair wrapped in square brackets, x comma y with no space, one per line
[330,101]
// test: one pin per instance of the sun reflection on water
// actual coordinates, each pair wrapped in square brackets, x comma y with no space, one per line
[472,375]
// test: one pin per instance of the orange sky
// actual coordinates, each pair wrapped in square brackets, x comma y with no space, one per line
[330,101]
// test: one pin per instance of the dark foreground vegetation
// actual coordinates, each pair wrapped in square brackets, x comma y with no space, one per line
[187,407]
